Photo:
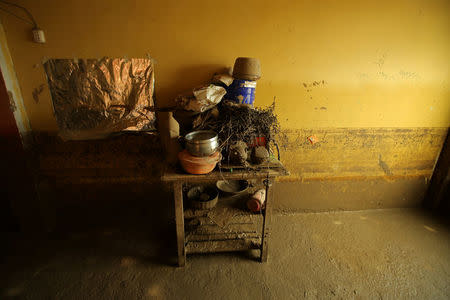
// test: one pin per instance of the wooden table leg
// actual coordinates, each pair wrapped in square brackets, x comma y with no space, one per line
[266,221]
[179,221]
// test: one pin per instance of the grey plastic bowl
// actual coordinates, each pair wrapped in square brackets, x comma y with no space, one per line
[233,187]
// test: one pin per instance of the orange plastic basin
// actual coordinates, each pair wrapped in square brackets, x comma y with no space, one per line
[198,165]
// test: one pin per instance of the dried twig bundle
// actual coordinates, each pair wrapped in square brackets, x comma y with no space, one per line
[240,122]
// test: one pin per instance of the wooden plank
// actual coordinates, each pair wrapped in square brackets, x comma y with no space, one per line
[272,163]
[214,229]
[236,203]
[171,174]
[179,221]
[205,229]
[190,237]
[266,222]
[221,246]
[250,218]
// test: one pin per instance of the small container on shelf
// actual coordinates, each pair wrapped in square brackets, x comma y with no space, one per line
[202,143]
[198,165]
[232,187]
[257,201]
[203,197]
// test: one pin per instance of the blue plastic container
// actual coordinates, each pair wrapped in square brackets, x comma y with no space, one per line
[242,91]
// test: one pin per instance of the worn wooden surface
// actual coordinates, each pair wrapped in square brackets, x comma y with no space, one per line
[272,163]
[227,227]
[171,174]
[221,246]
[225,236]
[229,223]
[179,221]
[266,222]
[246,225]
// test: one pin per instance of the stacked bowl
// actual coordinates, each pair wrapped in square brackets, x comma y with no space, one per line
[201,154]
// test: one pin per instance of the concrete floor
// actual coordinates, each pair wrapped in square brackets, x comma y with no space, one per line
[376,254]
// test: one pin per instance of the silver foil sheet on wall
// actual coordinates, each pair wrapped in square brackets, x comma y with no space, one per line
[94,98]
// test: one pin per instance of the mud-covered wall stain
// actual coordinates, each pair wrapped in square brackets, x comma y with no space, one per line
[346,153]
[37,91]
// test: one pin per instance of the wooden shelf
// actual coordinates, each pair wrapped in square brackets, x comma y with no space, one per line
[220,229]
[176,174]
[220,246]
[229,226]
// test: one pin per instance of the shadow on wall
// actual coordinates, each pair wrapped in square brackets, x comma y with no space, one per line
[108,183]
[438,194]
[108,207]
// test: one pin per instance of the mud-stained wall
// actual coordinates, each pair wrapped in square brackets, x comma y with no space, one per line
[369,79]
[361,153]
[357,168]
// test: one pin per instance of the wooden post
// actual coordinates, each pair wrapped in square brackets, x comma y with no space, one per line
[267,213]
[179,221]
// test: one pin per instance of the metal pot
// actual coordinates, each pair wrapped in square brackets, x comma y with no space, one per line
[202,142]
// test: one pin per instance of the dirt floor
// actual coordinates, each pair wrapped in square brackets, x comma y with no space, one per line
[375,254]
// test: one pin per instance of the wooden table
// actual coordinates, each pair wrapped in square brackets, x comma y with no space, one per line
[238,229]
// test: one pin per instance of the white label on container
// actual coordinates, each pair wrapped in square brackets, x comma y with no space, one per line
[250,84]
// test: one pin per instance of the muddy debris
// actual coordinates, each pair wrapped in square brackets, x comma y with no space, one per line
[241,122]
[259,155]
[238,153]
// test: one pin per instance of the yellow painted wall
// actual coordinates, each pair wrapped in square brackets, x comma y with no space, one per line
[379,63]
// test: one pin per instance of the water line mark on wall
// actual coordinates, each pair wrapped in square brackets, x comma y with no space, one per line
[384,166]
[315,83]
[37,91]
[408,75]
[381,60]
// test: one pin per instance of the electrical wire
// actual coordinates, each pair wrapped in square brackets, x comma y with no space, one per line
[13,14]
[32,22]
